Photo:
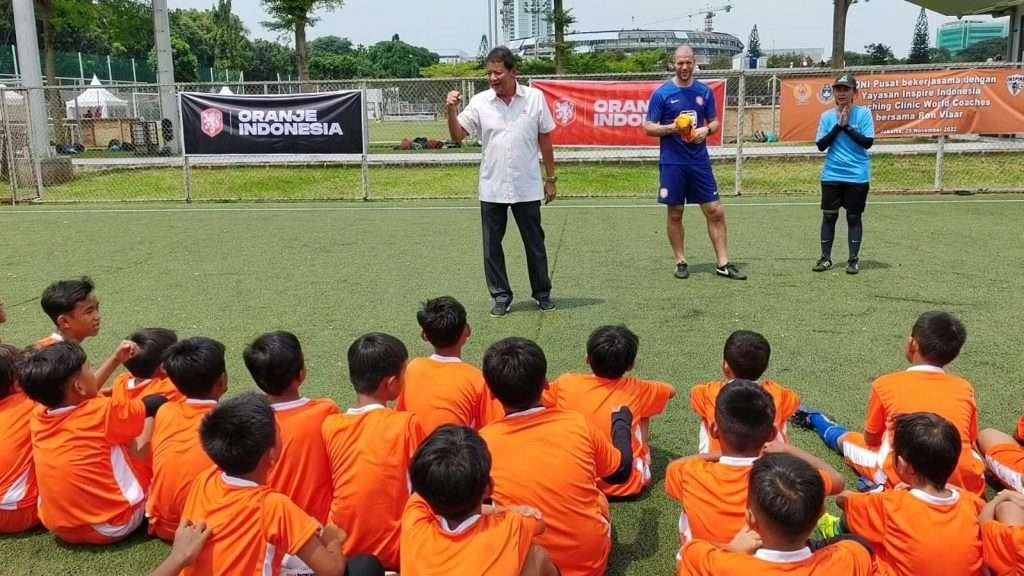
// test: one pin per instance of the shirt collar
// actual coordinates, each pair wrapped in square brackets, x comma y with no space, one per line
[56,336]
[289,405]
[465,525]
[534,410]
[520,92]
[926,368]
[237,482]
[134,383]
[936,500]
[445,359]
[59,411]
[780,557]
[737,461]
[365,409]
[199,401]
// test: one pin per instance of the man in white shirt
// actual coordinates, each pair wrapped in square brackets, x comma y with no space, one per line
[513,124]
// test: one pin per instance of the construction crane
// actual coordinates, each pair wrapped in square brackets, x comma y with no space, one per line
[708,12]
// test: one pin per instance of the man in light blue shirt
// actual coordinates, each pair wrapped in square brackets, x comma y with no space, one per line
[847,132]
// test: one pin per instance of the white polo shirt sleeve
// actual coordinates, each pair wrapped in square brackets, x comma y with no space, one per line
[546,123]
[469,118]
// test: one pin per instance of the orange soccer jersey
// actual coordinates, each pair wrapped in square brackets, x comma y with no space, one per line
[915,533]
[302,471]
[919,389]
[702,401]
[18,488]
[482,545]
[89,490]
[596,398]
[178,457]
[549,458]
[369,450]
[444,390]
[128,387]
[1006,461]
[845,558]
[253,526]
[1003,548]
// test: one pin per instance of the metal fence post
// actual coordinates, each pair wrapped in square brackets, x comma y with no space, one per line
[740,110]
[774,84]
[365,164]
[940,156]
[186,175]
[12,170]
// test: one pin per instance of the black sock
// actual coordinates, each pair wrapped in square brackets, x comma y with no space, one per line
[828,233]
[856,231]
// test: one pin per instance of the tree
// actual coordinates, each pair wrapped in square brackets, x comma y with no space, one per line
[991,49]
[720,62]
[453,70]
[939,55]
[560,19]
[295,16]
[269,59]
[754,44]
[919,46]
[186,65]
[231,48]
[880,54]
[341,66]
[330,45]
[839,13]
[197,29]
[396,59]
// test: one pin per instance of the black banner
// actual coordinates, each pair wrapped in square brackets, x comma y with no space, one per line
[325,123]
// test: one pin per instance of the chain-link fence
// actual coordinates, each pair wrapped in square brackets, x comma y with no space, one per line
[113,143]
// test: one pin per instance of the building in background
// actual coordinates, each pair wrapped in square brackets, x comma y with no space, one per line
[525,19]
[706,45]
[451,56]
[958,35]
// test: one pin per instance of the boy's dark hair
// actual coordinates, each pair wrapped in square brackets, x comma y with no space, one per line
[747,353]
[745,416]
[153,344]
[929,443]
[194,365]
[443,321]
[62,296]
[372,358]
[503,55]
[45,374]
[787,492]
[612,351]
[10,363]
[939,336]
[274,361]
[451,470]
[515,370]
[238,432]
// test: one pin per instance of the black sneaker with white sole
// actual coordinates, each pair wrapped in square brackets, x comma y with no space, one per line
[822,265]
[501,307]
[853,266]
[729,270]
[545,304]
[682,270]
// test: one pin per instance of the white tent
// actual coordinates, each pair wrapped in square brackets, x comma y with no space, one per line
[225,90]
[97,102]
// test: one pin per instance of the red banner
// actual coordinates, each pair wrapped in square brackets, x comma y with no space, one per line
[593,113]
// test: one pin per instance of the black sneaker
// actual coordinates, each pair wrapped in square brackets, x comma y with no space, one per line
[822,265]
[730,271]
[801,418]
[682,270]
[853,266]
[501,307]
[545,304]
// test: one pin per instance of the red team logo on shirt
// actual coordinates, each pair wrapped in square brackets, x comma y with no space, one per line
[211,122]
[565,112]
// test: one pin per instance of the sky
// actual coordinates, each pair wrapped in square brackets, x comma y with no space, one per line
[458,24]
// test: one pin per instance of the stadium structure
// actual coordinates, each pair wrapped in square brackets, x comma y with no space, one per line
[706,45]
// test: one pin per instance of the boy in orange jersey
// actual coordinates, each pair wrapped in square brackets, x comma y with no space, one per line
[934,342]
[550,458]
[302,473]
[83,447]
[18,488]
[925,527]
[196,367]
[442,389]
[712,488]
[1002,533]
[369,448]
[145,373]
[746,356]
[446,528]
[1004,455]
[786,498]
[611,352]
[254,527]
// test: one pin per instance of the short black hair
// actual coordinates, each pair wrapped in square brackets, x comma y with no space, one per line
[194,365]
[504,55]
[929,443]
[62,296]
[372,358]
[939,336]
[46,373]
[451,470]
[515,370]
[787,493]
[10,363]
[274,361]
[443,321]
[744,415]
[153,344]
[238,432]
[747,353]
[612,350]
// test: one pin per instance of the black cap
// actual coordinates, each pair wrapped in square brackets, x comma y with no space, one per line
[846,80]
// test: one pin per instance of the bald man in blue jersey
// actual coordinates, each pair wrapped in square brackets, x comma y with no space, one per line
[686,176]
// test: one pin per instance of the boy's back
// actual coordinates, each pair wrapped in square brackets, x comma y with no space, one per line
[253,526]
[845,558]
[369,450]
[18,488]
[596,398]
[702,401]
[444,390]
[1003,548]
[491,544]
[915,533]
[178,458]
[549,458]
[128,387]
[302,471]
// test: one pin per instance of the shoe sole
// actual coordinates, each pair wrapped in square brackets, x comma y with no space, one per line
[542,309]
[852,272]
[503,314]
[729,276]
[683,277]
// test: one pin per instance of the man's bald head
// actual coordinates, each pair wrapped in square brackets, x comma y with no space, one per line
[685,49]
[684,62]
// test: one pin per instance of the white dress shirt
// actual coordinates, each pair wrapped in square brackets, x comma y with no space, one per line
[509,170]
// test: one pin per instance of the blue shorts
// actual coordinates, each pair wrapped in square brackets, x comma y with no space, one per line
[687,184]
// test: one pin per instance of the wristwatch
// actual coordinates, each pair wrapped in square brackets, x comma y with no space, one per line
[551,179]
